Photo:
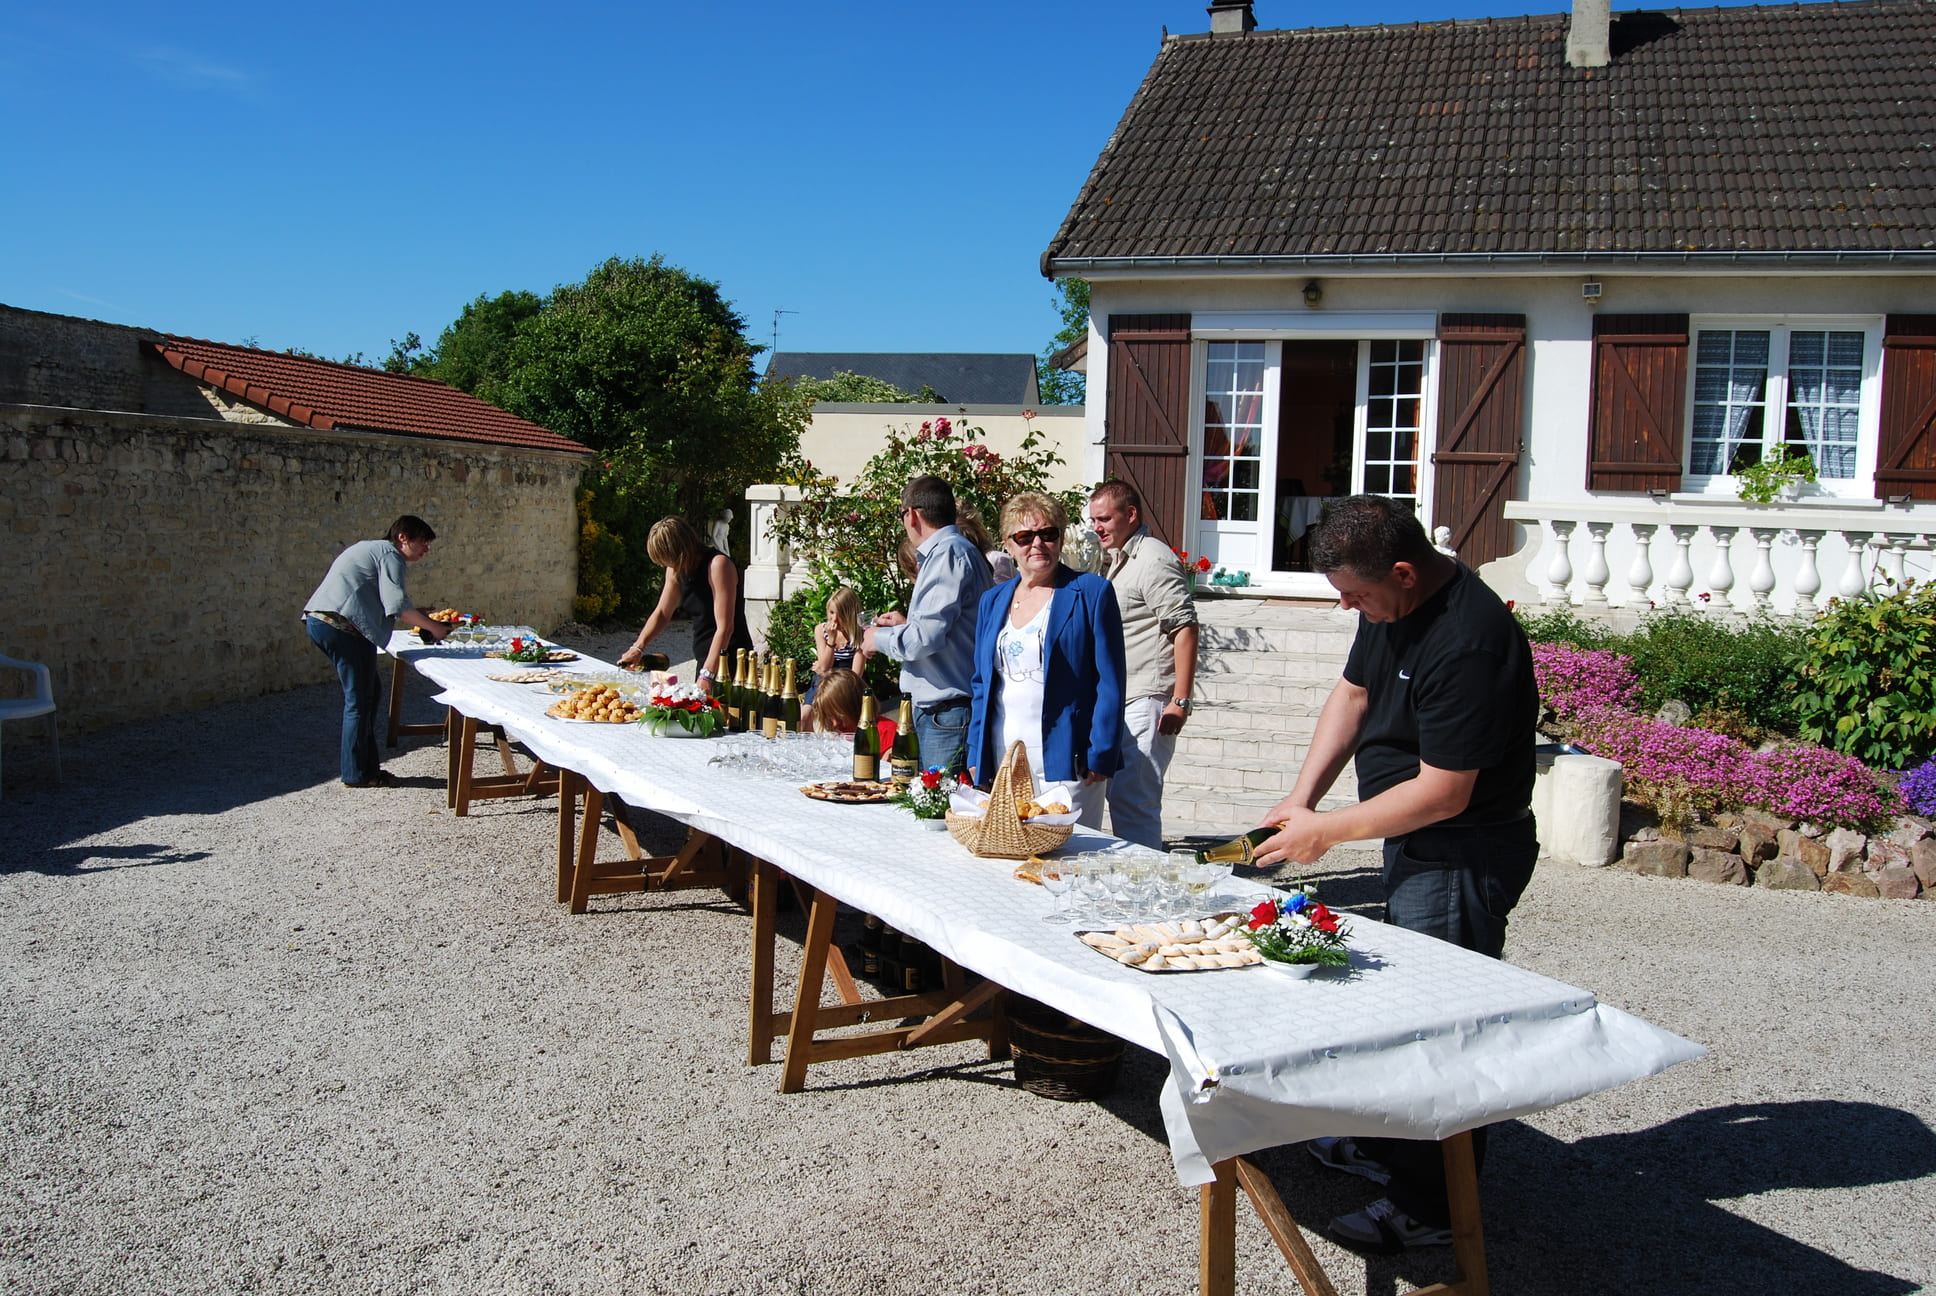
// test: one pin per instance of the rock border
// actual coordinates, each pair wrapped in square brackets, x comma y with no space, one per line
[1756,848]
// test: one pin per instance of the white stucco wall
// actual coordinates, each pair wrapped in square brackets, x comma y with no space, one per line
[844,436]
[1559,331]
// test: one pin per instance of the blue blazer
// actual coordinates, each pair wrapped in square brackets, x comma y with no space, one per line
[1082,694]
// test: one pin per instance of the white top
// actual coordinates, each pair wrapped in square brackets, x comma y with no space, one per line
[1018,701]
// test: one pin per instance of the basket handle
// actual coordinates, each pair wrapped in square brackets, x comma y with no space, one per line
[1003,797]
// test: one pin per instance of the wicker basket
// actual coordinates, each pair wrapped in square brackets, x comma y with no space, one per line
[1058,1056]
[998,831]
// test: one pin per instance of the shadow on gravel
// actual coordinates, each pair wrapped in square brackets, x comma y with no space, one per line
[1637,1213]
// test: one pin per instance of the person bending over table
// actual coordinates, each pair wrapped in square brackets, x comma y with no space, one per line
[1048,664]
[935,641]
[702,584]
[350,615]
[1438,706]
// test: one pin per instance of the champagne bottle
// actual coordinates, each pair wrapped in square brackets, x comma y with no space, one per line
[867,743]
[789,702]
[728,689]
[890,962]
[770,713]
[904,762]
[756,697]
[1238,850]
[743,692]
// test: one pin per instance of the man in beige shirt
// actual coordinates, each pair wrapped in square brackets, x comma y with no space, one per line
[1160,649]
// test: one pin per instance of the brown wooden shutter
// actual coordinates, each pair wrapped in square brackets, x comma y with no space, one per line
[1906,454]
[1639,410]
[1482,383]
[1146,427]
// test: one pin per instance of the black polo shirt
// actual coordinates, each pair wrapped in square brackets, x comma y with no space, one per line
[1451,685]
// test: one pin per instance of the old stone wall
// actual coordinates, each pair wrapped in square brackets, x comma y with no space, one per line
[159,562]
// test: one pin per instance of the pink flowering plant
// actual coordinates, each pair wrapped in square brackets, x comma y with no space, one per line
[1574,681]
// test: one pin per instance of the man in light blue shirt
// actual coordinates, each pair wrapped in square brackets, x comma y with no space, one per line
[935,641]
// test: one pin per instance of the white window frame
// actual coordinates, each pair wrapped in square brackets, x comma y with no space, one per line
[1775,396]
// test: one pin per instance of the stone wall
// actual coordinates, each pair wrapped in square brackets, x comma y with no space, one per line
[159,562]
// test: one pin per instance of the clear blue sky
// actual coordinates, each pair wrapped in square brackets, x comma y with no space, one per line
[331,177]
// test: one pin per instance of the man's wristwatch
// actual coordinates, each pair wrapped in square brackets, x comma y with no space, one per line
[1182,703]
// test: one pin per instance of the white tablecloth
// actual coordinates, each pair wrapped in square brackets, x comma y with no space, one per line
[1420,1039]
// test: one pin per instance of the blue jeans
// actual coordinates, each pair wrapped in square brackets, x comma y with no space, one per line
[355,660]
[943,735]
[1457,884]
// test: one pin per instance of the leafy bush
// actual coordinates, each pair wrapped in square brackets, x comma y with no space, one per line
[789,633]
[600,555]
[846,385]
[1573,681]
[1867,678]
[1711,665]
[1562,626]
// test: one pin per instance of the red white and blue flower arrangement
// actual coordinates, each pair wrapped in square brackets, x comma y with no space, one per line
[687,707]
[927,795]
[1298,932]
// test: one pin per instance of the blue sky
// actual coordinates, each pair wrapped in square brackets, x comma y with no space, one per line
[330,177]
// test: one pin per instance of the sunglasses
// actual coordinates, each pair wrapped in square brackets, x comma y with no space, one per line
[1047,535]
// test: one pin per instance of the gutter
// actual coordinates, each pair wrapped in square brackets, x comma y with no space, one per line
[1463,262]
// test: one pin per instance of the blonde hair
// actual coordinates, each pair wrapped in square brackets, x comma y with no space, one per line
[1032,504]
[836,702]
[843,606]
[674,545]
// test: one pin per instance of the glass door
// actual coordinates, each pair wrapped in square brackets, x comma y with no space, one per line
[1233,497]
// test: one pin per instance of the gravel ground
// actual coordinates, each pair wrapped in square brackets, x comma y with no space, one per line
[268,1034]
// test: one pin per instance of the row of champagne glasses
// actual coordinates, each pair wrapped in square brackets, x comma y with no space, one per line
[1133,885]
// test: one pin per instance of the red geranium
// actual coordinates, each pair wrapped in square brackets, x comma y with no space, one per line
[1203,564]
[1321,918]
[1263,915]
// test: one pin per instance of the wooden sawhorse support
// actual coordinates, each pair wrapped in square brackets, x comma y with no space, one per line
[397,727]
[945,1010]
[463,787]
[704,861]
[1217,1228]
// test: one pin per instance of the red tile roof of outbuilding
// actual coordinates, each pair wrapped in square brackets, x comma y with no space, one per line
[325,395]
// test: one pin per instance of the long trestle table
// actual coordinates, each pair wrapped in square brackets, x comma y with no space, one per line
[1417,1039]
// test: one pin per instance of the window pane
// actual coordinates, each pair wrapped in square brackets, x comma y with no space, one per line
[1384,379]
[1246,474]
[1384,352]
[1730,391]
[1243,506]
[1377,480]
[1411,352]
[1216,441]
[1215,505]
[1393,410]
[1825,398]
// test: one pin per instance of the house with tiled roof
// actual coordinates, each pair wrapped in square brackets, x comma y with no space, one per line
[1562,281]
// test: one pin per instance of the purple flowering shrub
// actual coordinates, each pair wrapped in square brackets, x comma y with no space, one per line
[1803,781]
[1677,773]
[1574,681]
[1918,788]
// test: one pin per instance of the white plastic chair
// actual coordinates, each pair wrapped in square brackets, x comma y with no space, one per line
[40,704]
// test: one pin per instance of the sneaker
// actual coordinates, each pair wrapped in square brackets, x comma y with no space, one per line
[1383,1227]
[1343,1154]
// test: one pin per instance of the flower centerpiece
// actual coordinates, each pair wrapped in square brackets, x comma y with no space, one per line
[674,710]
[528,651]
[1297,933]
[926,797]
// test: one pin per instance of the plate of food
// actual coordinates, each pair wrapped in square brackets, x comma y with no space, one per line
[524,676]
[598,705]
[550,655]
[1212,944]
[850,793]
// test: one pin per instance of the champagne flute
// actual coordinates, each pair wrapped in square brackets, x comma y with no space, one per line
[1169,881]
[1139,887]
[1092,871]
[1058,876]
[1199,879]
[1116,883]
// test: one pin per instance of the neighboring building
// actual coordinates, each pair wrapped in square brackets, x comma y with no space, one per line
[958,378]
[1535,274]
[170,502]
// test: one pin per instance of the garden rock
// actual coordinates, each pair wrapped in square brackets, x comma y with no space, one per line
[1656,858]
[1786,874]
[1885,853]
[1806,849]
[1773,822]
[1674,712]
[1854,884]
[1721,866]
[1719,839]
[1922,862]
[1896,883]
[1758,843]
[1909,830]
[1845,849]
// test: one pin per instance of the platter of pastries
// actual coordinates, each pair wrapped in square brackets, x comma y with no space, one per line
[1189,945]
[863,793]
[538,676]
[553,655]
[600,704]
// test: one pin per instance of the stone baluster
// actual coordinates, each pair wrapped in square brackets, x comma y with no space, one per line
[1761,581]
[1595,574]
[1720,577]
[1808,576]
[1640,575]
[1559,569]
[1853,582]
[1892,558]
[765,580]
[1680,577]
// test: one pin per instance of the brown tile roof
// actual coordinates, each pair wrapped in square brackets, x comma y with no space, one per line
[324,395]
[1805,128]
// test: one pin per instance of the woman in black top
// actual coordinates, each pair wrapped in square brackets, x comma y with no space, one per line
[702,584]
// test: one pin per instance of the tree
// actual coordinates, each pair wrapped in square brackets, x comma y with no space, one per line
[1059,386]
[473,351]
[848,386]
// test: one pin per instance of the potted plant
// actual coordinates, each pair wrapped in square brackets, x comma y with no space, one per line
[1297,936]
[1783,476]
[675,710]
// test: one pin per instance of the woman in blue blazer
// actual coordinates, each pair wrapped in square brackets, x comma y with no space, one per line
[1048,663]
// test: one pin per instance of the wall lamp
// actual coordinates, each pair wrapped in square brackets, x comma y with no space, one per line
[1313,294]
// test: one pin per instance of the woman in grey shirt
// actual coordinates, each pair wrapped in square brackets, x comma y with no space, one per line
[351,613]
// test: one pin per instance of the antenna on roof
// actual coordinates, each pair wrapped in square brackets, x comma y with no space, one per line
[776,327]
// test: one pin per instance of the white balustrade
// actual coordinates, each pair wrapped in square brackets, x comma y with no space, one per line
[1865,545]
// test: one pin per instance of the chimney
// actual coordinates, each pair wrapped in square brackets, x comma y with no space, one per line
[1586,34]
[1231,16]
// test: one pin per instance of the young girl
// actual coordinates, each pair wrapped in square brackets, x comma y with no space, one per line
[837,709]
[836,641]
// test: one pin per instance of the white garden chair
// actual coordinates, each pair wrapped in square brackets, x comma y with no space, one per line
[40,704]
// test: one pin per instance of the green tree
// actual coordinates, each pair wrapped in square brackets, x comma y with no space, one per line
[848,386]
[473,352]
[1059,386]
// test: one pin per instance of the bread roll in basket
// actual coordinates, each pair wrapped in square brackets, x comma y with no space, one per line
[999,832]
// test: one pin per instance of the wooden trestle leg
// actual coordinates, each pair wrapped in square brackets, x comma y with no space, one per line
[701,862]
[1217,1222]
[396,726]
